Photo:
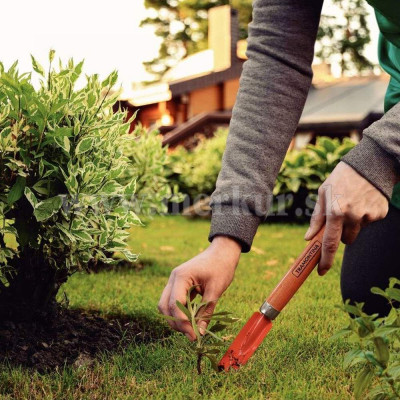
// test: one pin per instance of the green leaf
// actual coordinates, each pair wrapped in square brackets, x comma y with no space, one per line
[66,232]
[393,293]
[129,255]
[63,142]
[342,332]
[381,350]
[363,381]
[47,208]
[213,335]
[214,362]
[353,357]
[393,281]
[183,309]
[17,190]
[72,184]
[111,187]
[130,189]
[37,67]
[30,197]
[378,291]
[394,371]
[212,351]
[217,327]
[83,236]
[84,145]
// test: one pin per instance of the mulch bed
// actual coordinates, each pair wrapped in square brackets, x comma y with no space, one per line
[75,338]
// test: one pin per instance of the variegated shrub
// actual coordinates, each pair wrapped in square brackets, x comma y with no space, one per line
[61,201]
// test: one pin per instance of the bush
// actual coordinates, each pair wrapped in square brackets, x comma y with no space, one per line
[375,352]
[309,167]
[302,171]
[196,171]
[61,204]
[150,164]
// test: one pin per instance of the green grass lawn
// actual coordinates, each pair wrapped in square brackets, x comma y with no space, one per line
[296,361]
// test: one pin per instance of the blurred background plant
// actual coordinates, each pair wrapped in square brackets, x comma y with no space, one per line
[195,171]
[150,165]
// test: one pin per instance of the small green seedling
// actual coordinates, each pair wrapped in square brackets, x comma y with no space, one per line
[208,344]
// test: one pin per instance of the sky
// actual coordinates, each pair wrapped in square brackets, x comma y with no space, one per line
[104,33]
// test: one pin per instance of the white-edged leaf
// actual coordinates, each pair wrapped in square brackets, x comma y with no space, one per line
[47,208]
[63,142]
[84,145]
[30,196]
[84,236]
[37,67]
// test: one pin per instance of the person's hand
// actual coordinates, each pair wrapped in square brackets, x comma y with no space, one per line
[346,202]
[213,270]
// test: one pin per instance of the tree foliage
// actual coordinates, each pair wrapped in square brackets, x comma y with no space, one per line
[183,27]
[343,35]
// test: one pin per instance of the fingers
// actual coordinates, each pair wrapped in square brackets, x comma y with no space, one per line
[330,243]
[163,303]
[350,232]
[317,219]
[211,297]
[176,290]
[178,293]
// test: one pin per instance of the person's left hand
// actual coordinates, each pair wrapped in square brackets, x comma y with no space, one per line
[346,203]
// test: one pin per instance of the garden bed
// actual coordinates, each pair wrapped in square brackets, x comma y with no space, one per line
[75,338]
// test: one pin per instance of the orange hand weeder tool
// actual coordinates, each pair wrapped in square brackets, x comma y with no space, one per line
[258,326]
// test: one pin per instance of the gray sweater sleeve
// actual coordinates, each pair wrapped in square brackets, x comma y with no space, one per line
[272,91]
[377,156]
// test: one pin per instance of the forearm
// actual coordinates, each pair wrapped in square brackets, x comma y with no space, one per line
[273,88]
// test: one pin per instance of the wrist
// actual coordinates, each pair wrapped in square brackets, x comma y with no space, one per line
[227,244]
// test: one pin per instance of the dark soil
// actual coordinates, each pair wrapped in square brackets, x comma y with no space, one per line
[76,337]
[121,265]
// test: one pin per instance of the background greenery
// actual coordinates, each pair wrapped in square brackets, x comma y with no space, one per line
[195,171]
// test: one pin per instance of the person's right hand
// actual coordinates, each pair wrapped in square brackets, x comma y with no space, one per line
[213,270]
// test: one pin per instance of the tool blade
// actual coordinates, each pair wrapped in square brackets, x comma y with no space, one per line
[246,342]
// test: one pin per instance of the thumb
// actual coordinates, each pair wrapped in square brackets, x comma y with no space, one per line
[211,298]
[317,219]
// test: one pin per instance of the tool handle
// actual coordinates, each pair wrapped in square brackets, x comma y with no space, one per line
[298,273]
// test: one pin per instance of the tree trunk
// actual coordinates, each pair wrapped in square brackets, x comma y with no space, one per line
[30,293]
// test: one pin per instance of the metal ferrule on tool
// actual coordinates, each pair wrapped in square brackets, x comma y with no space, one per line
[269,311]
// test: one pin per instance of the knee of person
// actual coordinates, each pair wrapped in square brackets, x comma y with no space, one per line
[369,262]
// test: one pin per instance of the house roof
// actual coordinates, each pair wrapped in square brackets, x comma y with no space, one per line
[188,85]
[344,105]
[350,102]
[197,64]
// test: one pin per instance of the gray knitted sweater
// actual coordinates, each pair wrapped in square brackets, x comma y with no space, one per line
[273,88]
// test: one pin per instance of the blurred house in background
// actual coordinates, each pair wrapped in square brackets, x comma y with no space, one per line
[197,95]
